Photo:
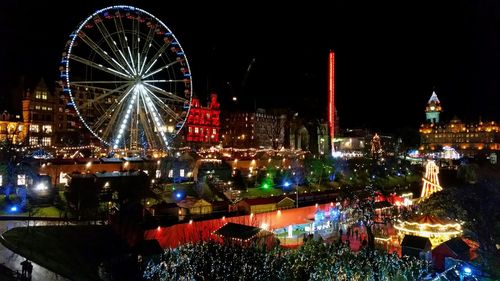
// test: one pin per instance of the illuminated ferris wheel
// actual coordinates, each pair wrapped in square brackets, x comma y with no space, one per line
[128,78]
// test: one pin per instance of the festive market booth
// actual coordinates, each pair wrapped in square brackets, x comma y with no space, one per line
[383,209]
[455,248]
[416,246]
[436,229]
[245,235]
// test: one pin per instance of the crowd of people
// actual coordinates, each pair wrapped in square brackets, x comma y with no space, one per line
[312,261]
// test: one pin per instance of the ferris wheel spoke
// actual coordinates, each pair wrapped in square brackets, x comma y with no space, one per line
[99,109]
[112,120]
[146,75]
[106,91]
[113,109]
[108,38]
[168,95]
[165,108]
[163,105]
[135,37]
[155,116]
[125,48]
[147,45]
[102,53]
[106,116]
[164,81]
[99,66]
[145,121]
[121,33]
[99,82]
[156,56]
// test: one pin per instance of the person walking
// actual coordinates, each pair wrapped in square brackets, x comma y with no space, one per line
[29,269]
[24,267]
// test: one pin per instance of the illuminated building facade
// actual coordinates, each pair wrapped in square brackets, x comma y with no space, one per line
[69,128]
[467,138]
[203,123]
[254,129]
[38,110]
[51,119]
[12,128]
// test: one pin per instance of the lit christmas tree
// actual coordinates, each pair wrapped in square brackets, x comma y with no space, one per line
[431,180]
[376,149]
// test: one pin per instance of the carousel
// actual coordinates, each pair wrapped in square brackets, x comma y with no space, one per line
[436,229]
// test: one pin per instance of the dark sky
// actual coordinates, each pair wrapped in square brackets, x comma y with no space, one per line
[389,55]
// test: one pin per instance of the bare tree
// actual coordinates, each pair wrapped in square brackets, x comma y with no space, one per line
[274,128]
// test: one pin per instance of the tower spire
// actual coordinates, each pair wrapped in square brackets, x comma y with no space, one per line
[433,108]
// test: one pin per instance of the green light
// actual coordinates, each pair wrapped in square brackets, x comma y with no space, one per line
[265,186]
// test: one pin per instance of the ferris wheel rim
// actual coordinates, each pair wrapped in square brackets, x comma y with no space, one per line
[67,72]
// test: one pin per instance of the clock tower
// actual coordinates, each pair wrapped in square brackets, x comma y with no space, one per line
[433,109]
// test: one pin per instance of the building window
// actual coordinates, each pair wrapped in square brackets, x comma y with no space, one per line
[214,131]
[1,180]
[171,173]
[158,174]
[21,179]
[44,107]
[181,173]
[46,141]
[47,128]
[196,130]
[37,107]
[41,95]
[33,141]
[34,128]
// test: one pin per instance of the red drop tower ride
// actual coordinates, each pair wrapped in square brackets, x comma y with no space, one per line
[331,98]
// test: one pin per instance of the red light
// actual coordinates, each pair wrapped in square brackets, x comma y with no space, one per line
[331,97]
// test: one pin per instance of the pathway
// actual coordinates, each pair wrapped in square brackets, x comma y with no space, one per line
[13,261]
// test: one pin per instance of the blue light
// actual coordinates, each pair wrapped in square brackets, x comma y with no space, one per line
[178,195]
[13,209]
[286,184]
[467,270]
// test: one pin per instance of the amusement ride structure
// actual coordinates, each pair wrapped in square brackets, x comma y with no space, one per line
[430,180]
[135,77]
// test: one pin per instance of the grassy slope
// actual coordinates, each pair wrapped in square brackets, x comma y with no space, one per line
[72,251]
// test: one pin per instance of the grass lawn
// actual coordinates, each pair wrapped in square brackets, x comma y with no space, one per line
[49,211]
[72,251]
[38,212]
[260,192]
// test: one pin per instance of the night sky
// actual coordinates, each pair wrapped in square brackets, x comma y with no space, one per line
[389,55]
